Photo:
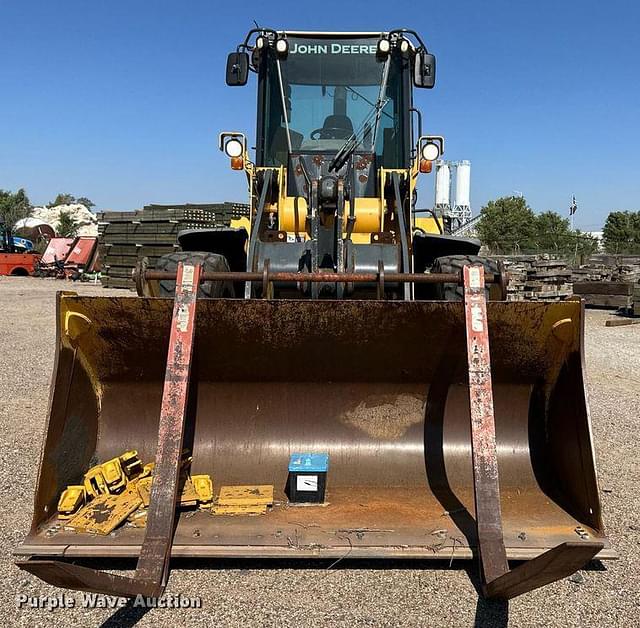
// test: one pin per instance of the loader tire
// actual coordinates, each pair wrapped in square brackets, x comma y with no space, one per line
[211,262]
[454,264]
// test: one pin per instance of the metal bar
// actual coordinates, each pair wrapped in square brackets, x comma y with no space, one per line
[159,275]
[255,230]
[561,561]
[153,565]
[152,569]
[406,263]
[493,555]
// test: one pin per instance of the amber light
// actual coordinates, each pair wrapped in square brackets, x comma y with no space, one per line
[426,166]
[237,163]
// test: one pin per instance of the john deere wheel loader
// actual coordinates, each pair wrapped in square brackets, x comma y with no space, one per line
[454,427]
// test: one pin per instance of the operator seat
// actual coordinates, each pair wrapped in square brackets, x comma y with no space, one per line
[334,122]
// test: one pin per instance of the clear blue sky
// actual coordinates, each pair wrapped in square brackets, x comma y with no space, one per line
[122,101]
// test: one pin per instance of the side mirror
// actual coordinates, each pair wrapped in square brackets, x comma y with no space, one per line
[237,68]
[424,71]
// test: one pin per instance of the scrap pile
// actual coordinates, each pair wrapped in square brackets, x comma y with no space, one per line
[119,491]
[70,258]
[127,237]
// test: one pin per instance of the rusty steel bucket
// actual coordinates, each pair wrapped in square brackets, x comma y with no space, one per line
[380,386]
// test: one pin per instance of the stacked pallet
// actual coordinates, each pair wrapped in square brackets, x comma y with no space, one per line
[127,237]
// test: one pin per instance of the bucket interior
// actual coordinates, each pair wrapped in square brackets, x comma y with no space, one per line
[379,386]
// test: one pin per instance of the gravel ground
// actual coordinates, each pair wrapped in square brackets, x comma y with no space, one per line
[235,594]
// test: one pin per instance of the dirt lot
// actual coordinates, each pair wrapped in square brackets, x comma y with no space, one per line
[393,594]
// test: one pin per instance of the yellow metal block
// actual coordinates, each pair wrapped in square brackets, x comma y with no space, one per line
[203,486]
[106,512]
[246,495]
[113,475]
[256,509]
[188,495]
[94,482]
[131,463]
[70,501]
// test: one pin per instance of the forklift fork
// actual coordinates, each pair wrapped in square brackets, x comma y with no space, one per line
[152,570]
[498,580]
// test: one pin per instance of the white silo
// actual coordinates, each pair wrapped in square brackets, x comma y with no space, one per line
[461,210]
[463,184]
[443,184]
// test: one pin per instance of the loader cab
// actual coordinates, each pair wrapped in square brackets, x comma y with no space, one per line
[336,153]
[318,91]
[325,91]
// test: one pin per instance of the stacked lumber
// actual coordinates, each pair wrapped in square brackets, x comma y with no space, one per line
[548,280]
[517,266]
[615,294]
[127,237]
[592,271]
[627,269]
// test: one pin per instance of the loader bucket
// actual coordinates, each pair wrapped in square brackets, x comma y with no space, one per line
[382,387]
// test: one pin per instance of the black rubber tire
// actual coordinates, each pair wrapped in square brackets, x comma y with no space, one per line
[454,264]
[211,262]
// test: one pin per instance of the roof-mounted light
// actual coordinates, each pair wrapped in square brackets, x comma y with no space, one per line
[404,46]
[261,42]
[384,46]
[282,47]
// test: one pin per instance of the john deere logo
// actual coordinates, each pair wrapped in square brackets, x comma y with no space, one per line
[333,49]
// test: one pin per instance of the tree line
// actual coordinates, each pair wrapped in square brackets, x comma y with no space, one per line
[508,225]
[15,206]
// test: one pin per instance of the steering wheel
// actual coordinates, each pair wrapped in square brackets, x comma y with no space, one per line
[330,133]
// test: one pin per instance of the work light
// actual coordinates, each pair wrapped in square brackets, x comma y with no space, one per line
[383,47]
[234,148]
[430,151]
[282,47]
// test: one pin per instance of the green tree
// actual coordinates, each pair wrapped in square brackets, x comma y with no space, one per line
[585,243]
[507,225]
[62,199]
[621,232]
[14,206]
[553,233]
[67,225]
[83,200]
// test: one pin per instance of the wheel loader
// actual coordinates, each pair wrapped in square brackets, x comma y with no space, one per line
[338,321]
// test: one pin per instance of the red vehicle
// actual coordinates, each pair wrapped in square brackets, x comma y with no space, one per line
[18,264]
[13,260]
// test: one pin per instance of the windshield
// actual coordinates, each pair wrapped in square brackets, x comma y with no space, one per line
[330,88]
